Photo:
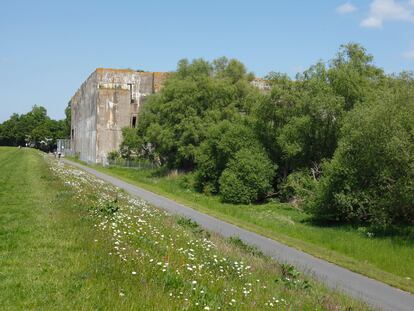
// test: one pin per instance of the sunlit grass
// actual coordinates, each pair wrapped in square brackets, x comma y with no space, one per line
[386,258]
[69,241]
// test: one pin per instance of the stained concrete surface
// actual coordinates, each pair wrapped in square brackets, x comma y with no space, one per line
[106,103]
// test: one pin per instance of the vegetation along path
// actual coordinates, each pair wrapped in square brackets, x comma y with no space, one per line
[70,241]
[371,291]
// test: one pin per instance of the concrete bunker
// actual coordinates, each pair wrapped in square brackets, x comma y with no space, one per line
[109,100]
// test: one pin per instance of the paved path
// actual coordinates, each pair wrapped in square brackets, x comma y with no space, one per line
[377,294]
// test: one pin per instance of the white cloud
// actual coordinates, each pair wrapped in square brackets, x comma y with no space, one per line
[372,22]
[388,10]
[346,8]
[409,54]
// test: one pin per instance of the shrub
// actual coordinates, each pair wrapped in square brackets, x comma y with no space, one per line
[110,207]
[186,181]
[291,277]
[371,176]
[223,141]
[299,187]
[252,250]
[113,155]
[247,177]
[175,121]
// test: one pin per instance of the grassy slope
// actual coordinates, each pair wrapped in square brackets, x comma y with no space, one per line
[388,259]
[55,251]
[48,259]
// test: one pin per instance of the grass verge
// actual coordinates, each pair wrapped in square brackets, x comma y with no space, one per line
[70,241]
[389,259]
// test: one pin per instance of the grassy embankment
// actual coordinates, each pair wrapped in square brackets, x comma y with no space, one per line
[69,241]
[387,258]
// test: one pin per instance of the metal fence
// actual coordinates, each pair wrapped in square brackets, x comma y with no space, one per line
[138,164]
[64,147]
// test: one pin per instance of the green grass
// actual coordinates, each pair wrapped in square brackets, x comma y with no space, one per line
[49,260]
[71,242]
[386,258]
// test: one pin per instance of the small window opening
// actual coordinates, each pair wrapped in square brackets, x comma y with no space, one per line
[131,93]
[73,134]
[134,121]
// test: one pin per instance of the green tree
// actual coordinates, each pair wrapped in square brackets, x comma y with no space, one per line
[34,128]
[222,142]
[174,122]
[353,75]
[299,121]
[131,144]
[10,134]
[247,178]
[371,176]
[68,120]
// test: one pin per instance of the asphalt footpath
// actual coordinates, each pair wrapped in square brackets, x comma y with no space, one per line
[377,294]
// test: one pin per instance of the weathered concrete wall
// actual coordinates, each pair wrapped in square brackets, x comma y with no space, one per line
[159,79]
[121,93]
[113,114]
[83,123]
[105,104]
[261,84]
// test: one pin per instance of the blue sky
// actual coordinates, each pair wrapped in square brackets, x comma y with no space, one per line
[48,48]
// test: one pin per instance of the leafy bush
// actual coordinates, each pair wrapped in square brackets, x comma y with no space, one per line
[291,277]
[186,181]
[371,176]
[223,141]
[247,177]
[299,187]
[113,155]
[131,143]
[110,207]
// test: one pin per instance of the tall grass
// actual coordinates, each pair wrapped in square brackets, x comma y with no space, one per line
[70,241]
[388,258]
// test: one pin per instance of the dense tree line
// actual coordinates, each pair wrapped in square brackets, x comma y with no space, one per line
[34,129]
[338,139]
